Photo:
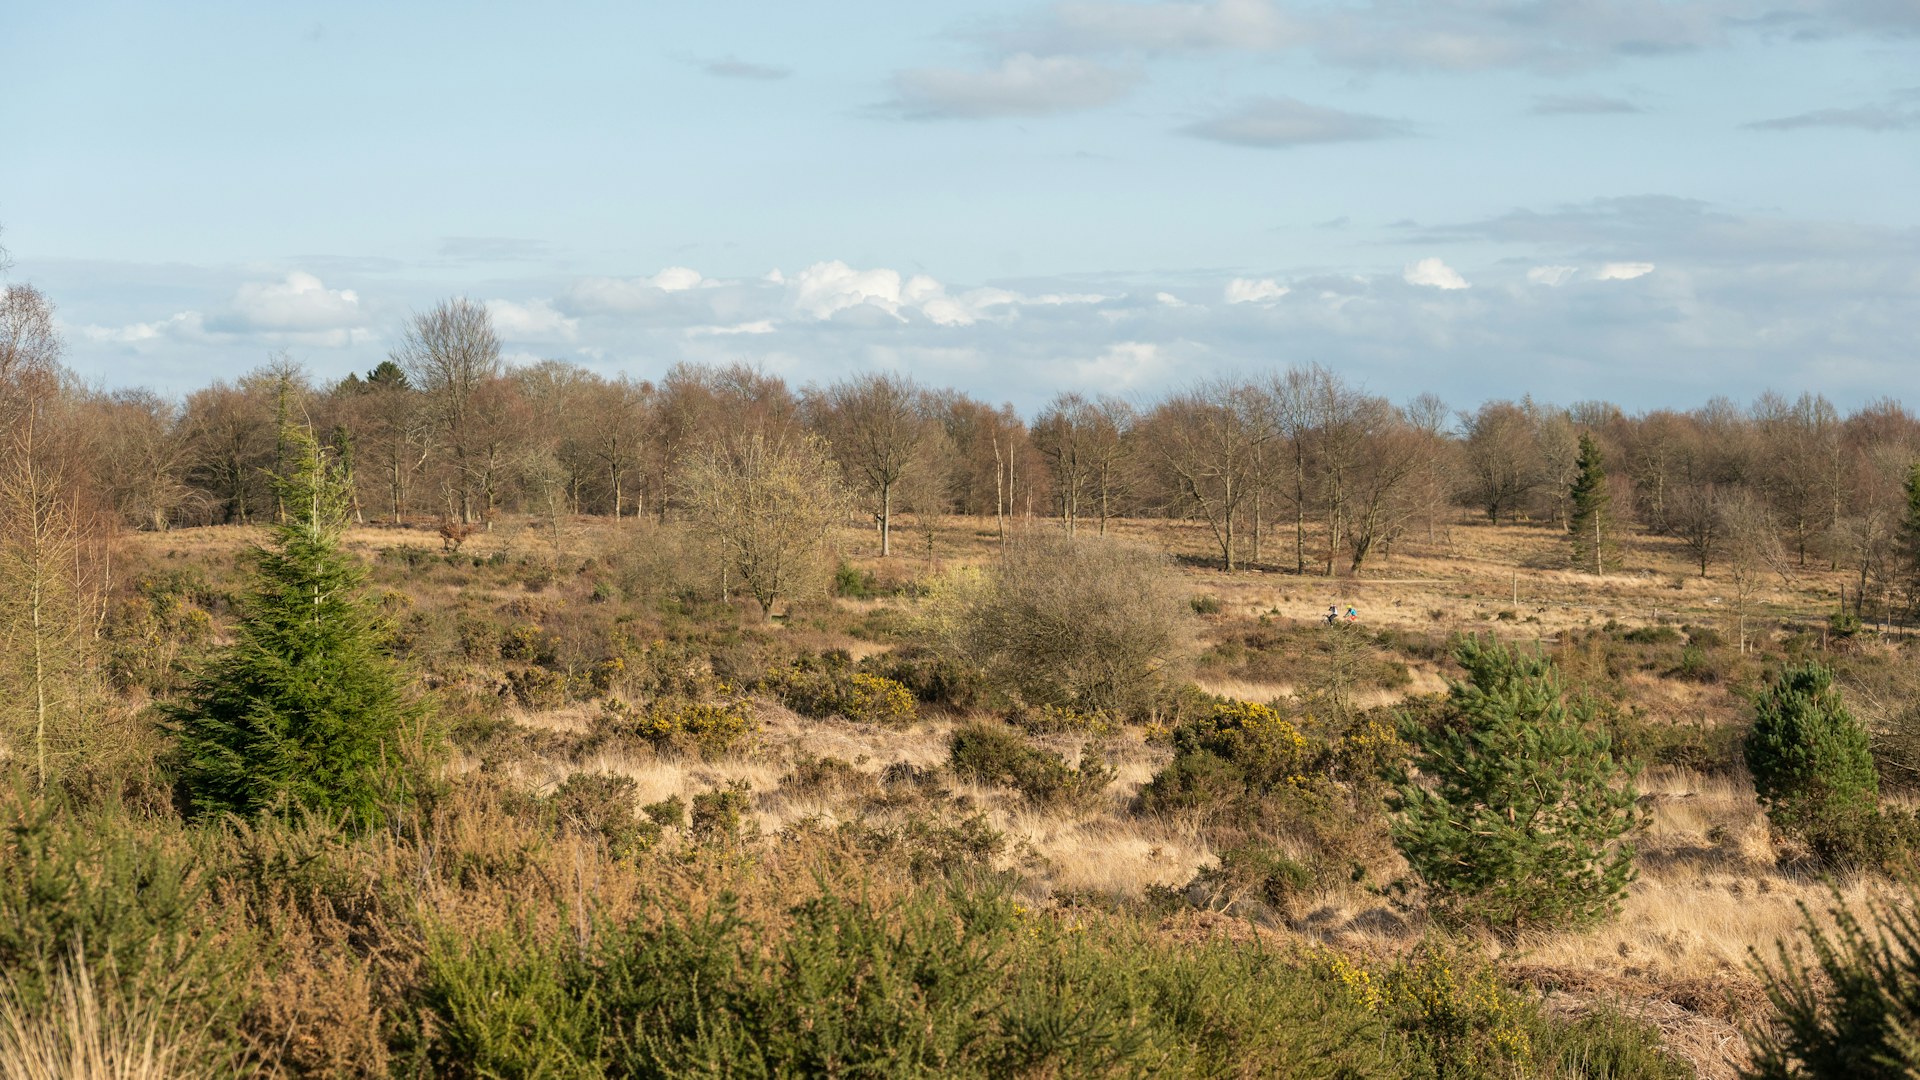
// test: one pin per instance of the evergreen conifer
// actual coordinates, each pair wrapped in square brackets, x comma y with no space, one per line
[1521,813]
[1591,520]
[306,709]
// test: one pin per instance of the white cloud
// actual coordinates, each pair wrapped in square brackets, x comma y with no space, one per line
[1434,274]
[826,289]
[1124,363]
[1171,300]
[607,295]
[1624,271]
[1223,24]
[1250,291]
[758,326]
[185,324]
[301,302]
[1552,275]
[675,279]
[829,287]
[1023,85]
[533,321]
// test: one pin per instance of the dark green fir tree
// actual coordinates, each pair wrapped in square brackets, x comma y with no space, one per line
[307,709]
[1519,816]
[1591,520]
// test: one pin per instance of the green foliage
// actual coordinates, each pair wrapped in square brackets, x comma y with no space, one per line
[1812,766]
[993,754]
[702,727]
[933,676]
[1521,813]
[306,709]
[601,805]
[1854,1012]
[720,816]
[1060,720]
[830,686]
[1590,520]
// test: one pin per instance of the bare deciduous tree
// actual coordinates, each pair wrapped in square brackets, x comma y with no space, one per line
[449,353]
[877,425]
[770,506]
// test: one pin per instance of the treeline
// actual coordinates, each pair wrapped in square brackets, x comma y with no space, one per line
[1296,468]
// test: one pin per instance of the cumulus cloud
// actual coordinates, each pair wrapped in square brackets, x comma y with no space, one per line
[757,326]
[1251,291]
[1551,275]
[1279,122]
[1434,274]
[1022,85]
[827,289]
[1624,271]
[301,302]
[1581,105]
[185,324]
[606,294]
[533,321]
[1169,299]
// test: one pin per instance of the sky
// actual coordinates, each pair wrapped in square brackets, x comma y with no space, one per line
[1651,202]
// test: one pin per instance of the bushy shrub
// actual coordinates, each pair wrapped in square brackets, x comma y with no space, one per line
[720,816]
[1083,622]
[1255,871]
[601,806]
[992,754]
[934,677]
[1521,813]
[1061,720]
[1812,766]
[830,686]
[709,728]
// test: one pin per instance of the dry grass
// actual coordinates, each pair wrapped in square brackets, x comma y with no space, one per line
[83,1034]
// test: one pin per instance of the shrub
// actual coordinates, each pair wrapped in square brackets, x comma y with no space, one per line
[1256,871]
[1060,720]
[933,677]
[829,686]
[702,727]
[720,816]
[599,805]
[991,754]
[1082,622]
[1523,818]
[1812,766]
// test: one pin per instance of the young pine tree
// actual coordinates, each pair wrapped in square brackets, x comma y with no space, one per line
[1812,766]
[306,709]
[1521,813]
[1591,521]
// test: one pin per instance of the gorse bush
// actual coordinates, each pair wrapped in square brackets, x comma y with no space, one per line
[701,727]
[992,754]
[1812,766]
[306,710]
[830,686]
[1521,813]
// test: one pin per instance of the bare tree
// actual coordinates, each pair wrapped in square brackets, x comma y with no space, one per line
[1066,433]
[449,353]
[1501,468]
[770,505]
[1204,441]
[877,425]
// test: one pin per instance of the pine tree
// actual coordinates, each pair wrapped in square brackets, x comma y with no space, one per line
[1520,815]
[306,709]
[1591,520]
[1812,766]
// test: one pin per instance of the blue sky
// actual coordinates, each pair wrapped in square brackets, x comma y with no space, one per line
[1649,201]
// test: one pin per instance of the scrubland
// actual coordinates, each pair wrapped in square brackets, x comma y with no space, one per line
[667,836]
